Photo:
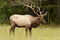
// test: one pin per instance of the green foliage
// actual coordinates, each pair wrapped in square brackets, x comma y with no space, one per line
[6,10]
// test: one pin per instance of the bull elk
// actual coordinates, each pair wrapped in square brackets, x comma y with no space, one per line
[27,21]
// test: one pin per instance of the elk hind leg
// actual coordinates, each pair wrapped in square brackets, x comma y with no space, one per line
[12,29]
[26,29]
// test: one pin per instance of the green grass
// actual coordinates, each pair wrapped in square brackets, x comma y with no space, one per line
[43,32]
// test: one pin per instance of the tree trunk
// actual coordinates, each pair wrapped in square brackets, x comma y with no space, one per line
[58,10]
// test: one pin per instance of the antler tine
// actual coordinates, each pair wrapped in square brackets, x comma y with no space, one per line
[28,6]
[46,13]
[43,10]
[34,11]
[34,5]
[40,13]
[38,8]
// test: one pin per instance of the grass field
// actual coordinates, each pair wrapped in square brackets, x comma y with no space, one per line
[43,32]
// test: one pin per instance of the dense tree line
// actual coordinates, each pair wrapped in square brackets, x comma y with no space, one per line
[10,7]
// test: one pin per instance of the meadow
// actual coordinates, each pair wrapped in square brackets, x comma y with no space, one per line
[43,32]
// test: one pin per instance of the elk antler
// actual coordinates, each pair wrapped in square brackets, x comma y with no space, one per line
[31,6]
[37,8]
[45,13]
[42,11]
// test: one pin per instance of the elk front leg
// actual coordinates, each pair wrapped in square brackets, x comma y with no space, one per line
[30,31]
